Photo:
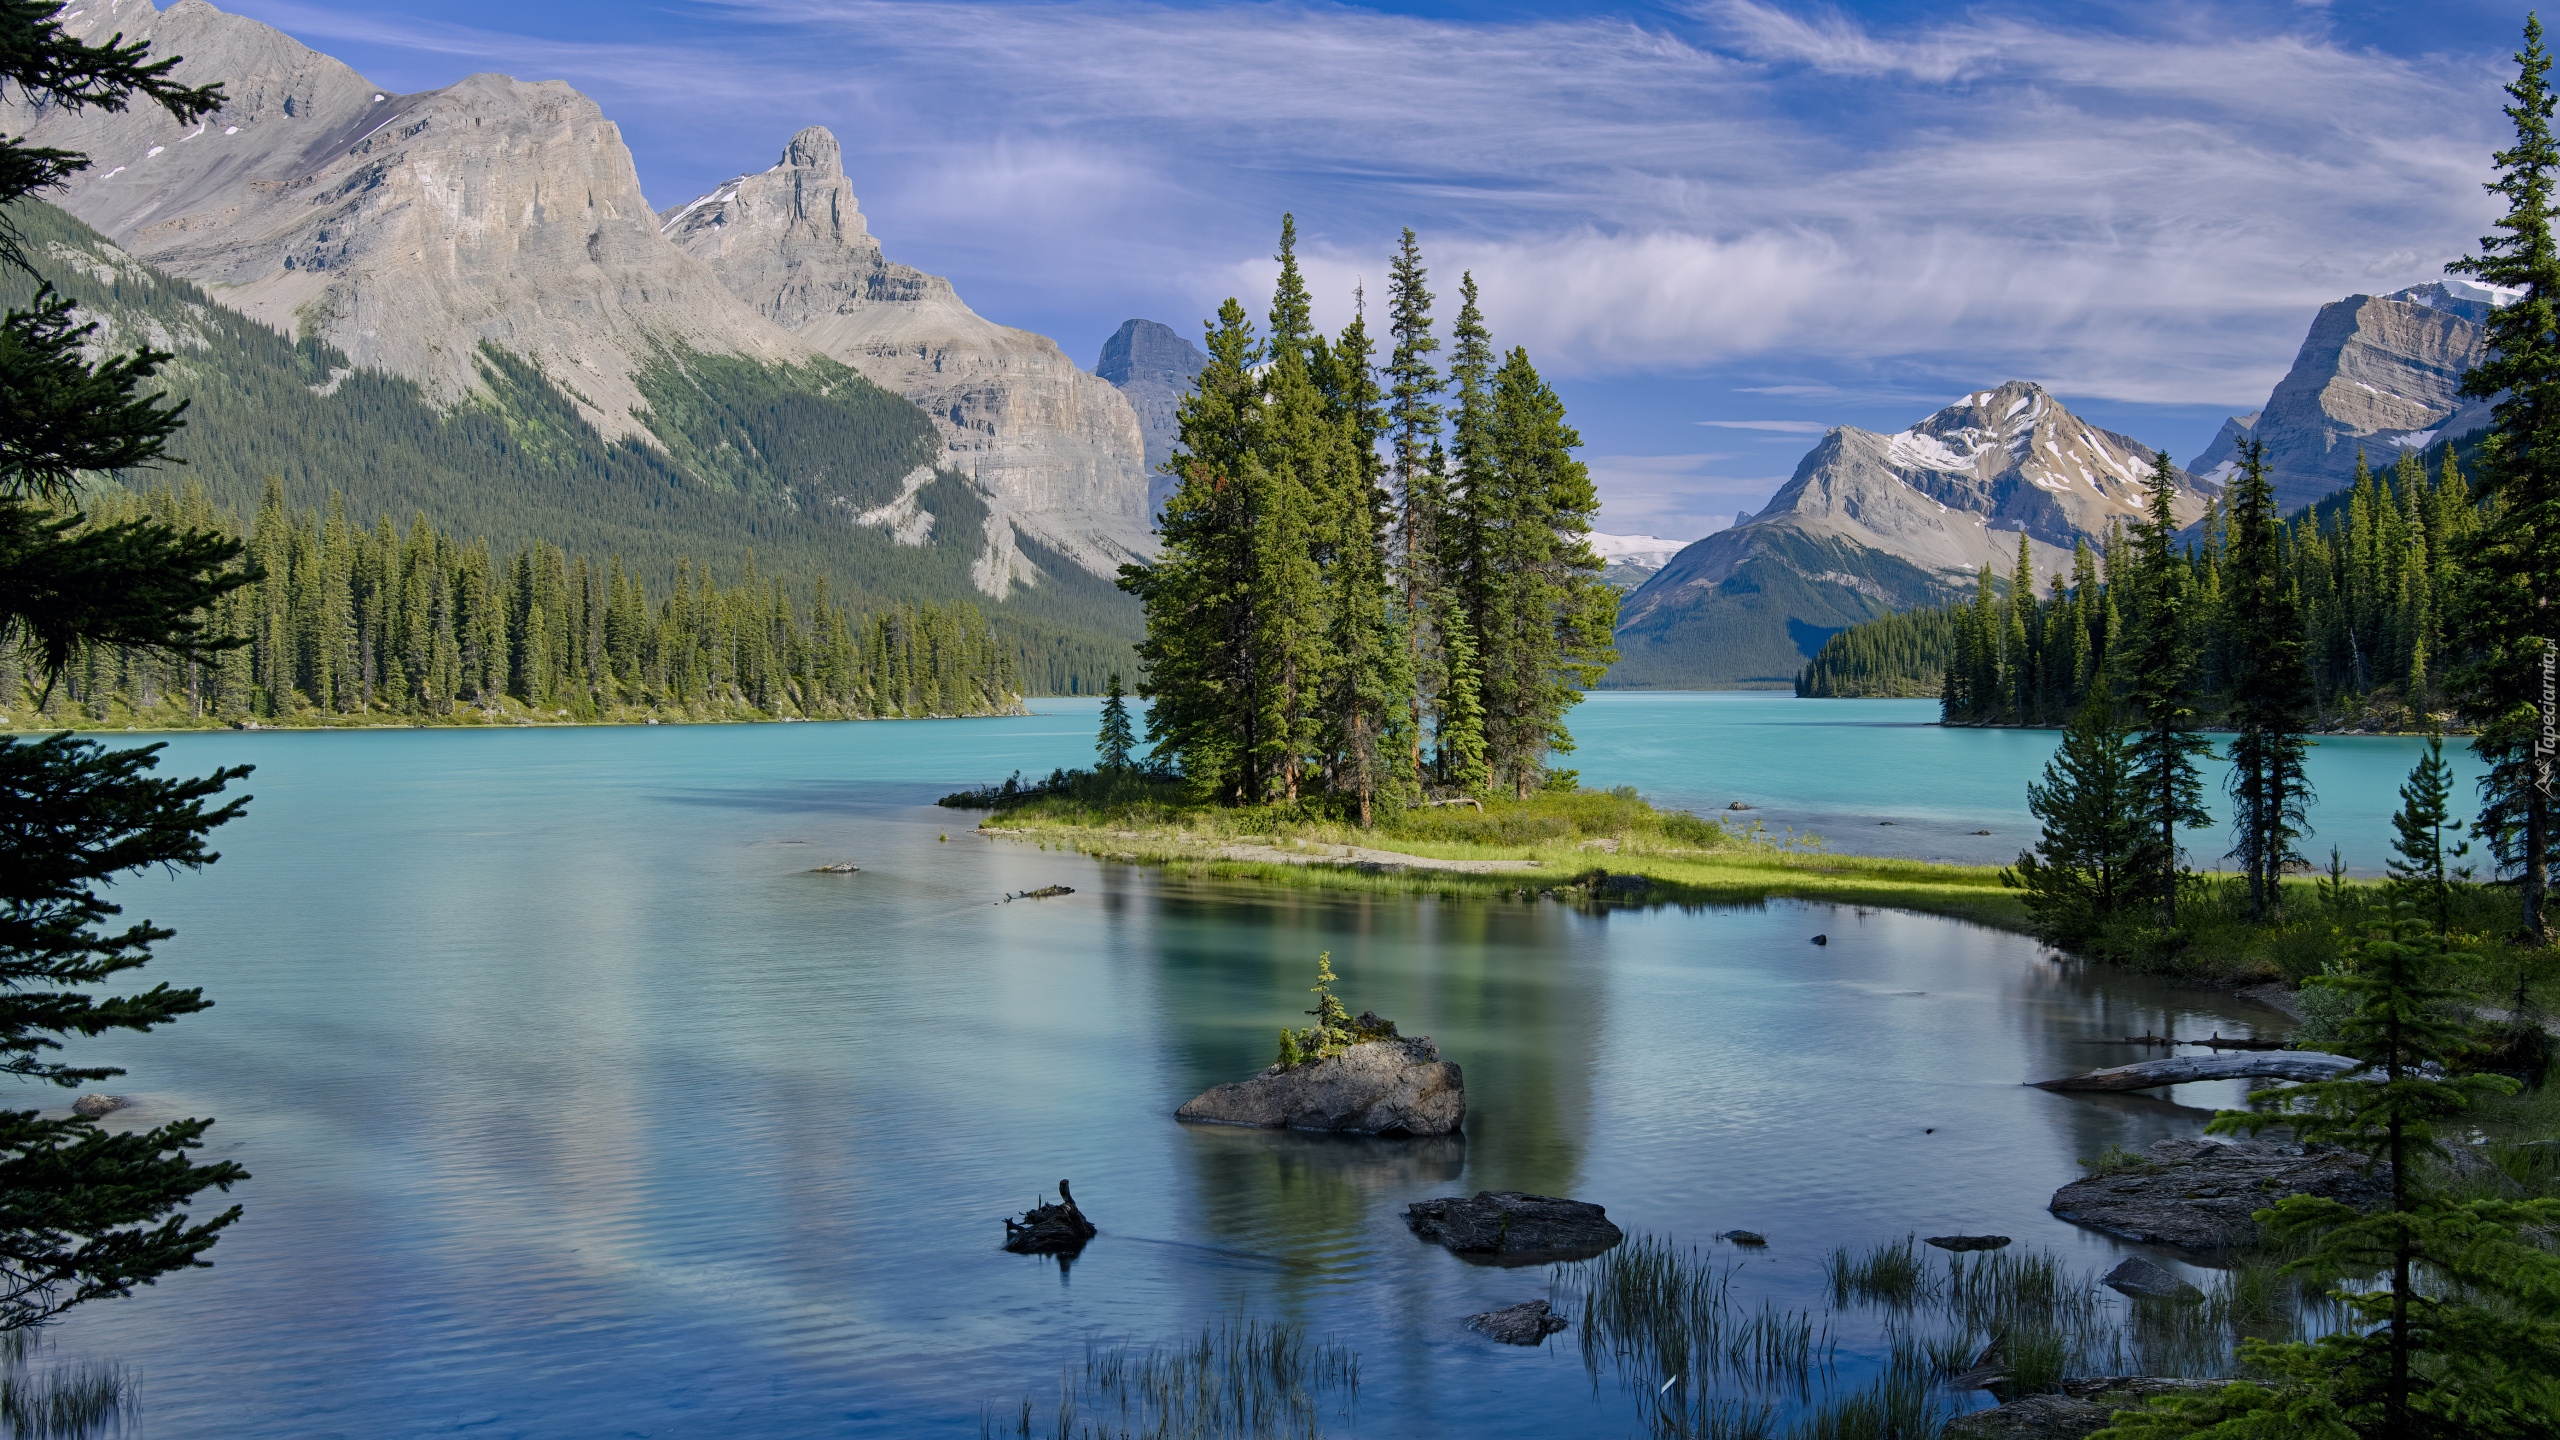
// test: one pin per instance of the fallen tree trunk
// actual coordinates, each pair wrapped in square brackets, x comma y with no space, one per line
[2183,1069]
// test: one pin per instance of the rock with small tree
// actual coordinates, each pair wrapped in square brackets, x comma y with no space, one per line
[1345,1073]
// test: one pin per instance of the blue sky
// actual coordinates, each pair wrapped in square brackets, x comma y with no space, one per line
[1718,226]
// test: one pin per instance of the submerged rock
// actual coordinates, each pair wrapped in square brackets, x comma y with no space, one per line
[1378,1087]
[1510,1228]
[1968,1242]
[2140,1277]
[92,1106]
[1526,1323]
[2199,1194]
[1744,1237]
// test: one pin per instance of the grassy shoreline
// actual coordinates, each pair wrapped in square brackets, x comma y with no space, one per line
[1566,846]
[1551,846]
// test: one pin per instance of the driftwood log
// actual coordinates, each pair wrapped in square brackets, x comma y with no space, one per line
[1059,1229]
[2183,1069]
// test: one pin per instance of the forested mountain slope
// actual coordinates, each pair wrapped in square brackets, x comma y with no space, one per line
[2374,567]
[780,462]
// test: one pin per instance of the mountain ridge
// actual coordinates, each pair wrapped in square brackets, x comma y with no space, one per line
[1871,523]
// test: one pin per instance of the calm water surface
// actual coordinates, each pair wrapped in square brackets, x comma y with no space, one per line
[577,1107]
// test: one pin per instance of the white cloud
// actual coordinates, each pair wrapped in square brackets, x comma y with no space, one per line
[1784,427]
[2146,217]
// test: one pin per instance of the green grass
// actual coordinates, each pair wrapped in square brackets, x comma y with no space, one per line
[1687,859]
[1237,1379]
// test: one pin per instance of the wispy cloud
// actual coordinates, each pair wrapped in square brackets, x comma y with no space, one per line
[2148,217]
[1783,427]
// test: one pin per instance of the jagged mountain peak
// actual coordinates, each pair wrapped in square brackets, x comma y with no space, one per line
[408,229]
[2376,374]
[1058,451]
[1871,523]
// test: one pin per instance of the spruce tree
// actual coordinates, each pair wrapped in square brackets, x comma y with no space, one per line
[2458,1340]
[1301,478]
[2082,871]
[85,1215]
[2270,794]
[2422,870]
[2504,618]
[1461,742]
[1413,434]
[1370,683]
[1548,617]
[1202,673]
[1116,739]
[2159,668]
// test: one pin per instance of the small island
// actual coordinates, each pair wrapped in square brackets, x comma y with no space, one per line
[1347,1074]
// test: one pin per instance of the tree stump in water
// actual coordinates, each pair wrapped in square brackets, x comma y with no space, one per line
[1059,1229]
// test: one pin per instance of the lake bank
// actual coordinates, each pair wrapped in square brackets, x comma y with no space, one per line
[1747,873]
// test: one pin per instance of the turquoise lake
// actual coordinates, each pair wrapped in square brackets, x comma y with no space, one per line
[576,1106]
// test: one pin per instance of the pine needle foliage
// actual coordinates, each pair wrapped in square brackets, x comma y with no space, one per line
[1334,626]
[2088,865]
[85,1214]
[2512,567]
[2461,1328]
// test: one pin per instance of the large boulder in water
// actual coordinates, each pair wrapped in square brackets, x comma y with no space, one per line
[1506,1227]
[2201,1194]
[1378,1087]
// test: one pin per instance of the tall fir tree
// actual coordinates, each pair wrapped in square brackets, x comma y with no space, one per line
[2270,791]
[2422,869]
[2083,869]
[1549,618]
[1114,741]
[2505,617]
[2160,675]
[1413,436]
[1202,678]
[89,1214]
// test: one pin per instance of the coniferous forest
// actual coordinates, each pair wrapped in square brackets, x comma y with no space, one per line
[1376,580]
[752,461]
[348,624]
[2373,574]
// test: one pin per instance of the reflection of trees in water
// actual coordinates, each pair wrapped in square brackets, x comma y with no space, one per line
[2062,1013]
[1498,986]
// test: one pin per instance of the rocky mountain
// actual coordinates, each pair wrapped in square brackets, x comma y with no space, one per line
[1154,366]
[407,230]
[444,235]
[1058,451]
[2377,374]
[1871,524]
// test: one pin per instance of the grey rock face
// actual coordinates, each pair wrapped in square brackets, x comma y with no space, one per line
[1058,451]
[406,229]
[1509,1227]
[1154,366]
[2199,1195]
[1871,524]
[1526,1323]
[2137,1276]
[2377,373]
[1378,1087]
